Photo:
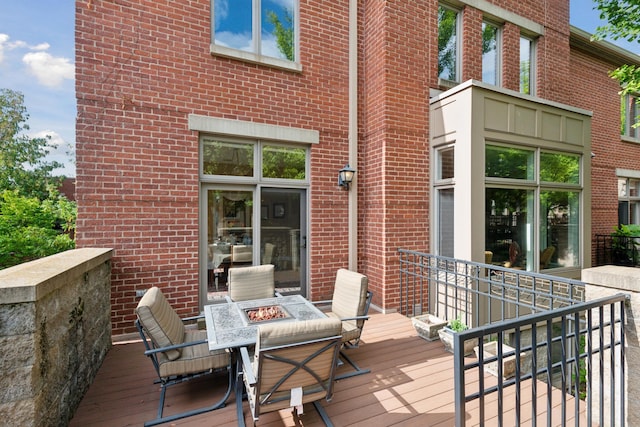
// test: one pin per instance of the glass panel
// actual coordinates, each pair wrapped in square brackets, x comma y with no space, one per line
[629,116]
[514,163]
[447,44]
[445,164]
[525,65]
[229,234]
[509,225]
[277,37]
[623,212]
[226,158]
[445,222]
[622,187]
[635,212]
[559,227]
[489,53]
[283,162]
[633,187]
[559,168]
[233,24]
[281,242]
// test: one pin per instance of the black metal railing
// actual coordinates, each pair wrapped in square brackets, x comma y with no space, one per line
[617,250]
[537,336]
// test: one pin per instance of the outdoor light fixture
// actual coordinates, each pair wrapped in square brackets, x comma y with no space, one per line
[345,176]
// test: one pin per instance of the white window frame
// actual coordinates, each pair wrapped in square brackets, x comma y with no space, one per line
[255,55]
[458,40]
[628,131]
[532,64]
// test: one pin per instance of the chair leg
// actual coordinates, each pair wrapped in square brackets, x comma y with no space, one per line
[358,370]
[219,404]
[323,414]
[239,394]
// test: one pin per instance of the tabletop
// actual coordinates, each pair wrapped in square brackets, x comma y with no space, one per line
[228,325]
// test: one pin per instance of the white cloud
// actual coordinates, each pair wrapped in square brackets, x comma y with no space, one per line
[50,71]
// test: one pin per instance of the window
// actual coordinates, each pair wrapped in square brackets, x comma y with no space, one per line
[490,54]
[448,55]
[629,116]
[255,29]
[527,77]
[628,201]
[445,173]
[512,186]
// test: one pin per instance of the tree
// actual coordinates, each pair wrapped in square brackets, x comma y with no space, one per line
[283,32]
[23,164]
[623,22]
[35,220]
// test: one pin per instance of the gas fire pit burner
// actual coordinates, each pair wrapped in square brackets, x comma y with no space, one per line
[265,314]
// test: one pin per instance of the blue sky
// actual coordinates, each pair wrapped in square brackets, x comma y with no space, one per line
[37,59]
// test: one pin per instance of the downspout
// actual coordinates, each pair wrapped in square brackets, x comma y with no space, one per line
[353,134]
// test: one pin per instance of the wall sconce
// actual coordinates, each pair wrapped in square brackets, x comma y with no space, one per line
[345,176]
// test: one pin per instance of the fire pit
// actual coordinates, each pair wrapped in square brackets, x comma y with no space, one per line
[265,314]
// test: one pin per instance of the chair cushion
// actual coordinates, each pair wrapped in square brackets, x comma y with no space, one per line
[195,358]
[254,282]
[281,333]
[161,322]
[349,293]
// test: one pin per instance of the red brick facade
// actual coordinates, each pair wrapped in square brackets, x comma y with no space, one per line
[144,66]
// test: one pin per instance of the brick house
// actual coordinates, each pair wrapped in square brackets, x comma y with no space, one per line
[200,148]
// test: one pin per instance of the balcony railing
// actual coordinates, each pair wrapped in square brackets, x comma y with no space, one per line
[541,338]
[617,250]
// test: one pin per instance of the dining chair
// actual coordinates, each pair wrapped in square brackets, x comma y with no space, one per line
[294,363]
[255,282]
[178,353]
[350,303]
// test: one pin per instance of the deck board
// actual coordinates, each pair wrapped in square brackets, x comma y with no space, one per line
[411,384]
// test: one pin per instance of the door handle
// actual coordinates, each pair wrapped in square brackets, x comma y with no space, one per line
[303,244]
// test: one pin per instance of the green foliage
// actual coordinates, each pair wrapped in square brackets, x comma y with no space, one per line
[22,160]
[283,32]
[457,325]
[31,229]
[623,22]
[625,246]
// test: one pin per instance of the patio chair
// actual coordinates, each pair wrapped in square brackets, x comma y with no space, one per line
[255,282]
[350,303]
[178,353]
[294,364]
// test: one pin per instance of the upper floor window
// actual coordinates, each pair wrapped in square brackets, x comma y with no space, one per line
[490,54]
[448,52]
[629,116]
[526,66]
[257,30]
[628,200]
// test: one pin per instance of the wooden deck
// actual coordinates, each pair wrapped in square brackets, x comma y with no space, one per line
[411,384]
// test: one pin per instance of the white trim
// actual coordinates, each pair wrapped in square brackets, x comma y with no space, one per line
[252,130]
[627,173]
[493,11]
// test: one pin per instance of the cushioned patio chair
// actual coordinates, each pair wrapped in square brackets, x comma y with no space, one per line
[178,353]
[255,282]
[350,303]
[294,364]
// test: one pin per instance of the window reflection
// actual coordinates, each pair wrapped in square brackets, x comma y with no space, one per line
[226,158]
[559,228]
[507,162]
[509,223]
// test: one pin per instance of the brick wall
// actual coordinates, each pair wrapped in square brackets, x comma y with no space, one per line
[144,66]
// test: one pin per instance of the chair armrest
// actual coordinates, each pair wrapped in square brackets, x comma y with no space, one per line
[174,347]
[355,318]
[278,295]
[228,299]
[327,301]
[188,319]
[247,367]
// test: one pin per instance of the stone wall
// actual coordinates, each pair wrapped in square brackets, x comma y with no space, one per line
[610,280]
[55,330]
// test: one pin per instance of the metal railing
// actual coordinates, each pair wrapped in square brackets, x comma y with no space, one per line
[617,250]
[541,341]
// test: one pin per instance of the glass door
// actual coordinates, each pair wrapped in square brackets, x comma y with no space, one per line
[283,237]
[231,237]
